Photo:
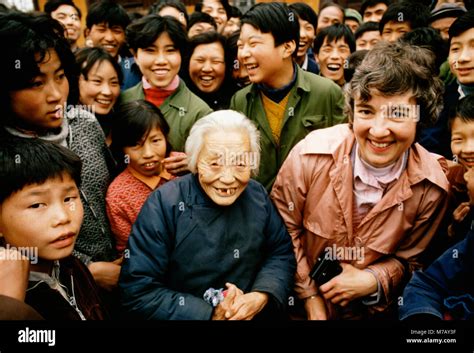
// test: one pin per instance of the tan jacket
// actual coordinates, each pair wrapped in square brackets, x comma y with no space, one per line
[313,192]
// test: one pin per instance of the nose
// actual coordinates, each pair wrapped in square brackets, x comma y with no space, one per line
[55,93]
[379,126]
[61,214]
[106,90]
[147,151]
[108,36]
[206,67]
[227,176]
[160,58]
[466,54]
[303,33]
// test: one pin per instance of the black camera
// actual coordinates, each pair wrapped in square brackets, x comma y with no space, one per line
[325,268]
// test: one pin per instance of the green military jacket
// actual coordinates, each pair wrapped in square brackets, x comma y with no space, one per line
[181,110]
[314,103]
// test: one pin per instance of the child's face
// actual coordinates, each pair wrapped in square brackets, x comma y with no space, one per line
[462,142]
[254,50]
[207,67]
[101,89]
[307,34]
[47,216]
[367,40]
[331,59]
[461,57]
[385,127]
[216,10]
[69,18]
[145,158]
[40,107]
[111,38]
[394,30]
[160,62]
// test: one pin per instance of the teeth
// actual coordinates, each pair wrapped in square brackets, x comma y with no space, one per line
[109,46]
[334,67]
[207,78]
[103,101]
[151,164]
[470,160]
[380,145]
[250,67]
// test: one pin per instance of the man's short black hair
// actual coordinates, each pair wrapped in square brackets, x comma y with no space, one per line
[52,5]
[429,38]
[372,3]
[366,27]
[143,32]
[275,18]
[178,5]
[26,40]
[418,15]
[305,12]
[464,110]
[25,161]
[225,4]
[334,33]
[198,17]
[234,12]
[107,11]
[462,24]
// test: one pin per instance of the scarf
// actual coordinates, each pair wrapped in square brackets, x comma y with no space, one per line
[278,94]
[157,95]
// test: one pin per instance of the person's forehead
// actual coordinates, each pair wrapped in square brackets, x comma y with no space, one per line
[376,7]
[465,36]
[67,9]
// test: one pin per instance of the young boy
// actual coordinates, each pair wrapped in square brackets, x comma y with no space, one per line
[105,27]
[401,18]
[66,12]
[332,47]
[40,210]
[284,101]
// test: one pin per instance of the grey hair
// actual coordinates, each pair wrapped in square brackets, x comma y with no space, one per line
[222,120]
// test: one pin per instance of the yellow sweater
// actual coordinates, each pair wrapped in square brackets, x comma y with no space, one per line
[275,113]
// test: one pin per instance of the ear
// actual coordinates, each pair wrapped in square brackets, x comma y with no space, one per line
[134,52]
[87,31]
[316,57]
[288,49]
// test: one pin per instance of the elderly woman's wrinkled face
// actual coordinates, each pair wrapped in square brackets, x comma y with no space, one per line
[223,165]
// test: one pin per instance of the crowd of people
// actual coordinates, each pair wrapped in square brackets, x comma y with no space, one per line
[207,166]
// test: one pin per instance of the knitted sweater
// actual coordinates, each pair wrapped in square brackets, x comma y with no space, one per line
[125,198]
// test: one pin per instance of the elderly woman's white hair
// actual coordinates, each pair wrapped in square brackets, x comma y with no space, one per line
[222,120]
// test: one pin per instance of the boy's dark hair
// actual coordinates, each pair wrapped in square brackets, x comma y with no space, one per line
[178,5]
[353,62]
[464,110]
[25,161]
[274,18]
[52,5]
[234,12]
[198,17]
[86,58]
[418,15]
[133,121]
[26,40]
[225,4]
[305,12]
[107,11]
[429,38]
[334,33]
[372,3]
[462,24]
[366,27]
[144,32]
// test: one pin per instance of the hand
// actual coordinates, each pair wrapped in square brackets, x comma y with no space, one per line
[246,306]
[461,211]
[14,273]
[315,308]
[106,274]
[352,283]
[176,163]
[223,308]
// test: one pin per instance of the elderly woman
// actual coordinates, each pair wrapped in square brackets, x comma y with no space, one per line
[212,229]
[365,192]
